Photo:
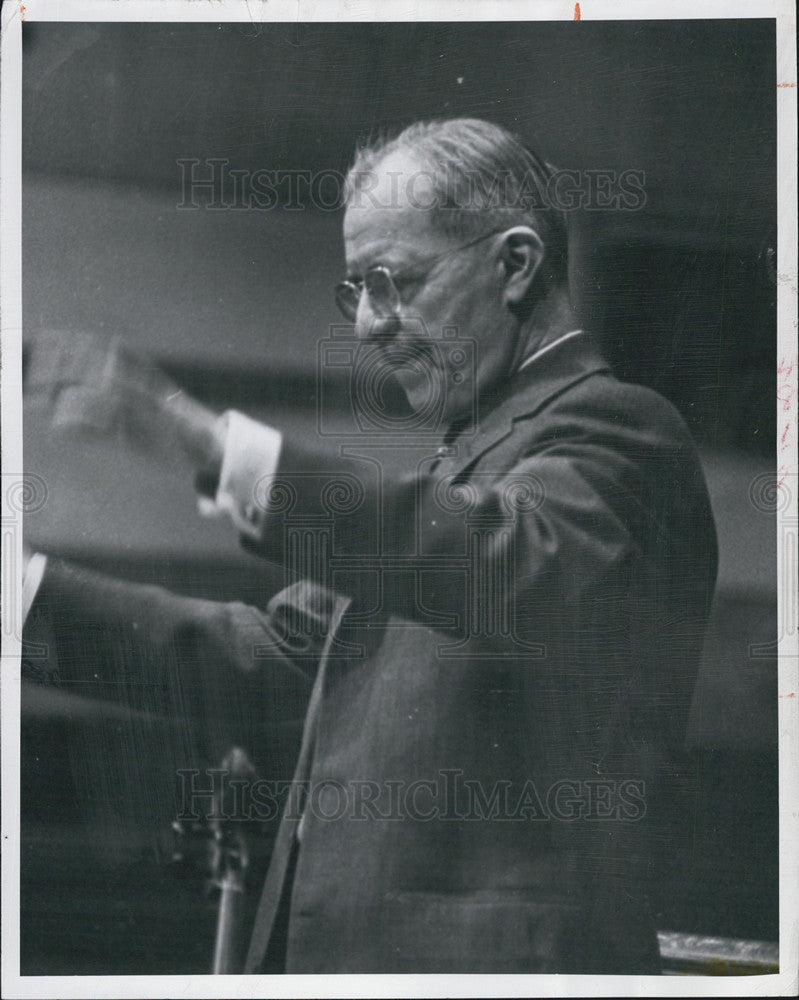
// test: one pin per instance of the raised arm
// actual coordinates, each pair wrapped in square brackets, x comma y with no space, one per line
[100,384]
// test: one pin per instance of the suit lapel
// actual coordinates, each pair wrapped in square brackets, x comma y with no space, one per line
[278,865]
[528,392]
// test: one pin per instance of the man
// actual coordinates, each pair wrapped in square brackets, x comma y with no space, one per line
[513,592]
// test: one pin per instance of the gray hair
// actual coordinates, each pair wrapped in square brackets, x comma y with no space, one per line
[483,178]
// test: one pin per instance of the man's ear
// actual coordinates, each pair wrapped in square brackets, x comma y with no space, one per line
[521,254]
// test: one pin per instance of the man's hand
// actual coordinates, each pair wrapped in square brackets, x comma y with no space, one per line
[96,383]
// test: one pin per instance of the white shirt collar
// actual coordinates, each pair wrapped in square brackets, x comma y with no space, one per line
[533,357]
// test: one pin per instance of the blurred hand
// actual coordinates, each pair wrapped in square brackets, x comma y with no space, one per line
[95,383]
[91,382]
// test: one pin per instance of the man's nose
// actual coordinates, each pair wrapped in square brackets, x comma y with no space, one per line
[364,317]
[371,327]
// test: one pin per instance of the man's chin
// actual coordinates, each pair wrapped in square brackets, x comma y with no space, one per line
[433,400]
[424,390]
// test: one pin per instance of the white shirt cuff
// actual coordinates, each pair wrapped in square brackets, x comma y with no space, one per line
[31,581]
[250,459]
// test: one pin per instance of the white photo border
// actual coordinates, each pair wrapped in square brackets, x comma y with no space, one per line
[13,15]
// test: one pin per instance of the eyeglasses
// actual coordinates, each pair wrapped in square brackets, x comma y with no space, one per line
[382,286]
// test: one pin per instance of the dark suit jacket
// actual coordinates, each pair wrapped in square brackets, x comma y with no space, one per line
[508,686]
[500,692]
[224,674]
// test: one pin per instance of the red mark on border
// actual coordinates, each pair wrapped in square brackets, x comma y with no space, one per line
[22,12]
[791,695]
[577,13]
[785,396]
[785,367]
[779,84]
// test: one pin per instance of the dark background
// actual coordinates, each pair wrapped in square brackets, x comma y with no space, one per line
[234,302]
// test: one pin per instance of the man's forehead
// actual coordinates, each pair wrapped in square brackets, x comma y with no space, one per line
[391,205]
[400,180]
[365,225]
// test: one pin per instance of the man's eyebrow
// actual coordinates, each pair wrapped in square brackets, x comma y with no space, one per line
[390,257]
[355,273]
[394,260]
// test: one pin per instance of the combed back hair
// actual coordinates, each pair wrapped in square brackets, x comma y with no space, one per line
[483,178]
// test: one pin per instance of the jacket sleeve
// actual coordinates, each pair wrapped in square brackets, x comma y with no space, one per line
[228,673]
[574,523]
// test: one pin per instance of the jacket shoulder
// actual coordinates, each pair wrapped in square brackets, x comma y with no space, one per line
[604,409]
